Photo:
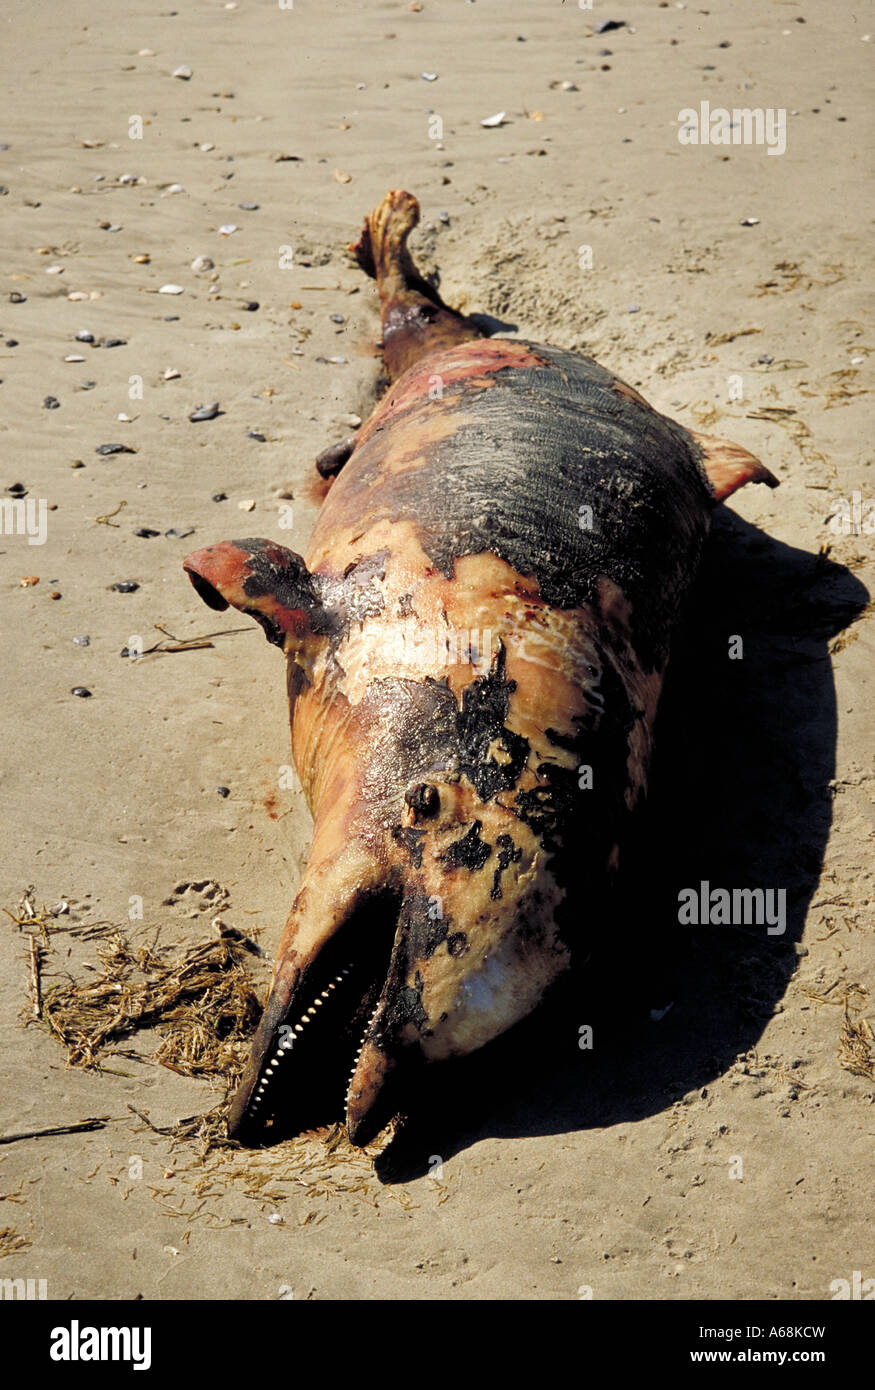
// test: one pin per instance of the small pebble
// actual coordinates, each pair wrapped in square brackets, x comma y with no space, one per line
[125,586]
[227,229]
[205,412]
[251,305]
[113,342]
[125,419]
[83,336]
[496,120]
[201,263]
[247,506]
[171,374]
[171,289]
[74,357]
[146,532]
[17,490]
[51,403]
[254,434]
[82,641]
[81,690]
[750,222]
[142,260]
[16,297]
[175,534]
[220,497]
[106,449]
[336,318]
[429,76]
[12,342]
[183,71]
[223,791]
[444,217]
[248,207]
[608,24]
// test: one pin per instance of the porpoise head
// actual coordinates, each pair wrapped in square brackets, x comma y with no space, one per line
[430,917]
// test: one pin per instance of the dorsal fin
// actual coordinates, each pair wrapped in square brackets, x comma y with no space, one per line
[729,466]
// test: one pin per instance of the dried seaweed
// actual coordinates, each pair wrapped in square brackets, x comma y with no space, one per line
[200,998]
[12,1242]
[855,1047]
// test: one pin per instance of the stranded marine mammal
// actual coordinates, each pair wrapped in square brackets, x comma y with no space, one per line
[469,806]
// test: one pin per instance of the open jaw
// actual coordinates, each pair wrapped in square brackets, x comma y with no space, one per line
[307,1049]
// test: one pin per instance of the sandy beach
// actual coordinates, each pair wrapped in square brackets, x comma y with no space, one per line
[179,189]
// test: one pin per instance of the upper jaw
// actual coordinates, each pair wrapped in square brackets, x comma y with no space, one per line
[332,963]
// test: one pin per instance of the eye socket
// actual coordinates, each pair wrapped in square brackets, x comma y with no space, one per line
[423,800]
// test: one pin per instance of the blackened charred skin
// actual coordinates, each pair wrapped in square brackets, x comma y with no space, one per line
[277,573]
[485,705]
[508,853]
[568,742]
[580,826]
[423,800]
[411,840]
[355,595]
[425,929]
[468,853]
[405,1007]
[534,445]
[553,807]
[360,595]
[411,729]
[416,728]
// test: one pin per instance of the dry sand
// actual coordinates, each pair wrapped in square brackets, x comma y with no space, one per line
[722,1152]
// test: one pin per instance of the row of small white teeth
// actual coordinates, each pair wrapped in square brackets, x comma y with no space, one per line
[359,1053]
[288,1041]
